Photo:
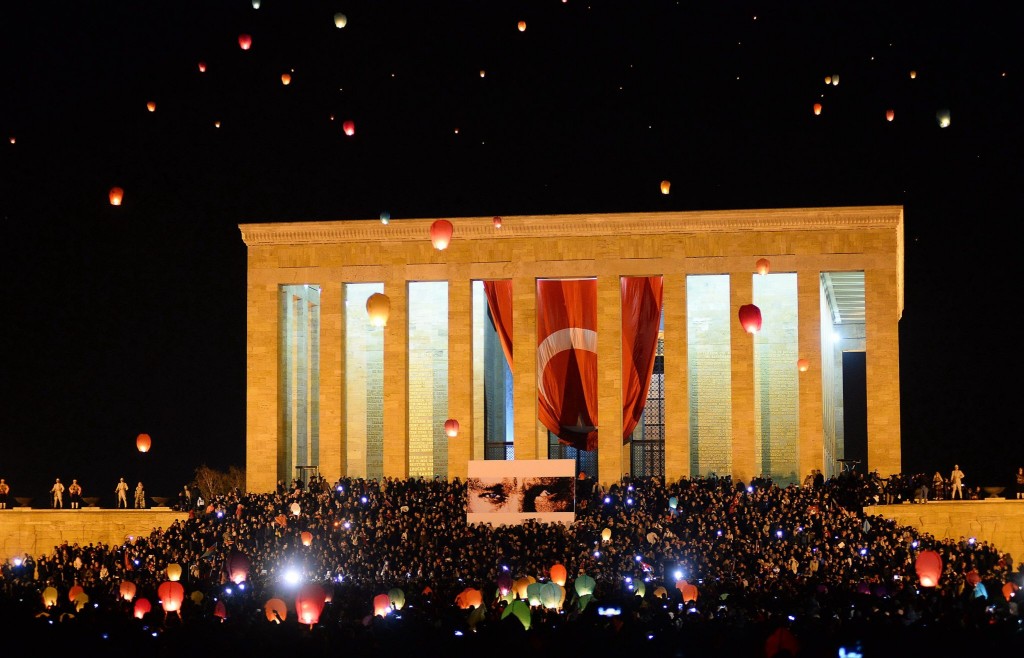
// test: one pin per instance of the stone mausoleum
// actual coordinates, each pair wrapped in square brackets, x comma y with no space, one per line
[330,391]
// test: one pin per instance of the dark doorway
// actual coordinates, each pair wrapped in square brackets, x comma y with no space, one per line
[855,409]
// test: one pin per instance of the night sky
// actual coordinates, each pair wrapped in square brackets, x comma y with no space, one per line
[129,319]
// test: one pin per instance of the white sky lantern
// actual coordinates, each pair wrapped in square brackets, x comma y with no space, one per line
[340,20]
[942,116]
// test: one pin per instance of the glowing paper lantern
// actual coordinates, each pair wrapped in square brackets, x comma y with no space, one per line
[255,4]
[127,590]
[238,567]
[688,591]
[606,534]
[202,67]
[521,611]
[197,597]
[763,266]
[558,574]
[378,307]
[673,502]
[276,610]
[286,79]
[307,537]
[660,593]
[942,116]
[296,509]
[533,593]
[151,106]
[50,596]
[1009,590]
[519,587]
[143,442]
[142,608]
[397,598]
[75,591]
[504,583]
[171,595]
[973,577]
[385,217]
[469,598]
[173,572]
[451,428]
[340,20]
[80,601]
[666,186]
[817,108]
[929,568]
[349,127]
[835,79]
[750,318]
[116,196]
[381,605]
[584,585]
[497,222]
[216,124]
[483,73]
[441,234]
[828,79]
[803,365]
[220,611]
[913,75]
[890,114]
[244,41]
[551,595]
[522,26]
[281,519]
[309,603]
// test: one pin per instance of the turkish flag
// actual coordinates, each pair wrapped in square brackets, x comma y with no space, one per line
[567,359]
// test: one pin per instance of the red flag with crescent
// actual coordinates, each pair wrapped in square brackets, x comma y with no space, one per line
[567,359]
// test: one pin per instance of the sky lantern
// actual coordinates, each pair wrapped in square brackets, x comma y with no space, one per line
[202,67]
[276,610]
[584,585]
[750,318]
[309,603]
[238,567]
[127,590]
[929,568]
[220,611]
[1009,589]
[378,307]
[116,195]
[382,605]
[174,572]
[286,79]
[255,4]
[803,365]
[307,537]
[143,442]
[151,106]
[295,509]
[835,79]
[551,595]
[281,519]
[521,611]
[497,222]
[763,266]
[606,534]
[13,139]
[890,114]
[942,116]
[349,127]
[522,26]
[973,577]
[687,590]
[666,186]
[913,75]
[397,597]
[441,234]
[196,596]
[817,109]
[340,20]
[828,79]
[558,574]
[483,73]
[50,596]
[504,583]
[142,607]
[451,428]
[216,124]
[171,595]
[244,41]
[469,598]
[385,217]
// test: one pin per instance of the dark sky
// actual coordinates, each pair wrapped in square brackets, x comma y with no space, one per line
[121,320]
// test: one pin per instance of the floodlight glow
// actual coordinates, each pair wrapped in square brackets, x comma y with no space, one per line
[292,576]
[678,574]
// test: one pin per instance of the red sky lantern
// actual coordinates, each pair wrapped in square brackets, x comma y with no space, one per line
[890,114]
[803,365]
[382,605]
[202,67]
[1009,589]
[929,568]
[286,79]
[558,574]
[307,537]
[127,590]
[763,266]
[143,442]
[238,567]
[750,318]
[142,607]
[817,108]
[441,234]
[349,127]
[151,106]
[497,222]
[171,594]
[220,611]
[451,428]
[244,41]
[116,196]
[74,592]
[309,603]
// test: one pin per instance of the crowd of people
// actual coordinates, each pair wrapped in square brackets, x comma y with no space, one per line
[795,570]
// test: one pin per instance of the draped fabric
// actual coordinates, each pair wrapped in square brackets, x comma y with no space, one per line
[499,301]
[567,360]
[641,318]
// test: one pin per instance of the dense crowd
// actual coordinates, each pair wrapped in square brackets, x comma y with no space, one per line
[778,570]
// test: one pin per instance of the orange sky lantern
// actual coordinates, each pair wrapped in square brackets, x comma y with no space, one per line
[116,195]
[750,318]
[307,538]
[142,607]
[803,365]
[276,610]
[151,106]
[286,79]
[666,186]
[558,574]
[171,594]
[441,234]
[890,114]
[143,442]
[127,590]
[763,266]
[817,109]
[244,41]
[497,222]
[522,26]
[451,428]
[378,307]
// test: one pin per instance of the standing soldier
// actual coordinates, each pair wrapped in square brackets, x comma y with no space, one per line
[75,491]
[57,492]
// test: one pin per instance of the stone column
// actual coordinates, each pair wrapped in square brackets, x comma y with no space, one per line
[261,417]
[396,376]
[332,458]
[883,371]
[811,428]
[743,435]
[524,368]
[609,379]
[677,394]
[460,369]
